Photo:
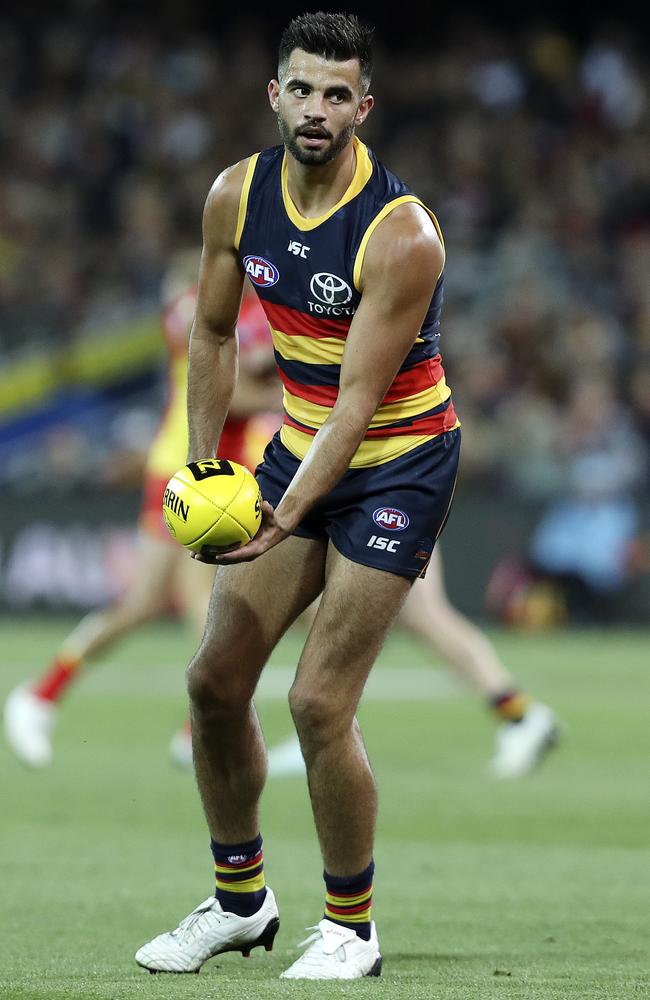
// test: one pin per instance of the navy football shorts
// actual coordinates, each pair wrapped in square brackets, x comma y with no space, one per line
[388,516]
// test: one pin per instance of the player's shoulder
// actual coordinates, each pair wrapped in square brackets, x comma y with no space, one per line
[408,232]
[227,186]
[222,205]
[403,249]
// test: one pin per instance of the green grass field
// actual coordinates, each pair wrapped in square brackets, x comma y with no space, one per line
[533,889]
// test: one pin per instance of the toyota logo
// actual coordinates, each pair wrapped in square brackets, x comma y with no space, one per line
[330,289]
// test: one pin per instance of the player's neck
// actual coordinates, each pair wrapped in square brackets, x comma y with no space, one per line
[315,190]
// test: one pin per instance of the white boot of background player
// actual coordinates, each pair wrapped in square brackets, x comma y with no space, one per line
[522,745]
[28,724]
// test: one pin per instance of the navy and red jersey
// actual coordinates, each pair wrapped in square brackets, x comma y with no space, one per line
[306,272]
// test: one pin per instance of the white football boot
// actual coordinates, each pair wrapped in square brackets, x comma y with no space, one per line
[336,952]
[285,759]
[180,749]
[209,931]
[28,724]
[522,745]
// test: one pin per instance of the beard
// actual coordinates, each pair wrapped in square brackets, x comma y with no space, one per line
[313,157]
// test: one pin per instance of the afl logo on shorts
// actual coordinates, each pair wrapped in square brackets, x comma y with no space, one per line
[261,271]
[391,519]
[330,289]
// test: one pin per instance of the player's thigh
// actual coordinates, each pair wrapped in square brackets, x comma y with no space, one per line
[253,604]
[427,595]
[149,587]
[358,605]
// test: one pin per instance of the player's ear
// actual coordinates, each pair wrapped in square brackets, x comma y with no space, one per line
[364,109]
[274,94]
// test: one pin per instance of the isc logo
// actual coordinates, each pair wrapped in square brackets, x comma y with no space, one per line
[261,271]
[376,542]
[391,519]
[299,249]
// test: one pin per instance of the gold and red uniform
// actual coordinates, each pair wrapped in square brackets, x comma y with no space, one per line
[243,438]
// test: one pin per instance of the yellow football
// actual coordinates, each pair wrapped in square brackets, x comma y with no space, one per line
[212,505]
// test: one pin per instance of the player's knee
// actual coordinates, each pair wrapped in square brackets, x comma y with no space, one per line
[216,688]
[317,715]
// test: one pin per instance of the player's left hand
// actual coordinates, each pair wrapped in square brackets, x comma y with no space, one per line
[269,534]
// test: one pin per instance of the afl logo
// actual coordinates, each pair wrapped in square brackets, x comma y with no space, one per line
[330,289]
[391,519]
[261,271]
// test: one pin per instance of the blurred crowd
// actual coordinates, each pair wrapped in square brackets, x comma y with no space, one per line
[532,147]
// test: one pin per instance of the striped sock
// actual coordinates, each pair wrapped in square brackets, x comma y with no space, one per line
[54,682]
[348,901]
[511,706]
[239,872]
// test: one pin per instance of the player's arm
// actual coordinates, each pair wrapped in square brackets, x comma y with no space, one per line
[402,264]
[212,373]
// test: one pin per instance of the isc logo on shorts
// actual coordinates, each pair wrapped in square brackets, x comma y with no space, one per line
[261,271]
[391,519]
[376,542]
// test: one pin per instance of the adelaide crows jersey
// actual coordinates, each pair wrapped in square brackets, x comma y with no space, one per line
[306,273]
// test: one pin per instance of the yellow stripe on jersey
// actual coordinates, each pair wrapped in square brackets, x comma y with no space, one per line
[169,449]
[372,451]
[362,174]
[243,198]
[314,414]
[386,210]
[313,350]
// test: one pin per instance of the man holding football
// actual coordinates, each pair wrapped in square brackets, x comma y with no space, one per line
[348,265]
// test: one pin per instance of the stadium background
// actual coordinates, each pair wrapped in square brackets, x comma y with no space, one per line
[530,141]
[528,136]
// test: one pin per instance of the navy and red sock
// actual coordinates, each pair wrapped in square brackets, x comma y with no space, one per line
[348,900]
[239,873]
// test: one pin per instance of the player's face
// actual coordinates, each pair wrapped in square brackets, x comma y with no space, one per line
[319,104]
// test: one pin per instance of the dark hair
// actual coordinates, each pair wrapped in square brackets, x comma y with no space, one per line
[333,36]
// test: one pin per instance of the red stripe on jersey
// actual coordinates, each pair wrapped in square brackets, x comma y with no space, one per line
[437,423]
[417,379]
[299,324]
[290,422]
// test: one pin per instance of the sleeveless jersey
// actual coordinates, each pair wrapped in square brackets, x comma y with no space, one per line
[306,273]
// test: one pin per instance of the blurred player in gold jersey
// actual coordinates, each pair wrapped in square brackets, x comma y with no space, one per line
[164,574]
